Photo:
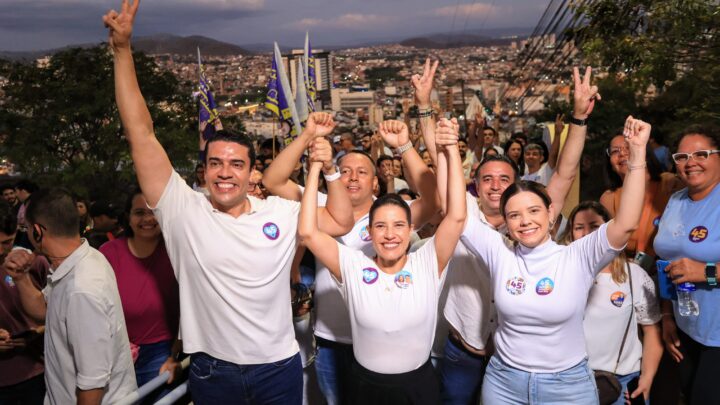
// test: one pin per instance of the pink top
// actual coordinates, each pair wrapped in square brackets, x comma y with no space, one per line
[148,291]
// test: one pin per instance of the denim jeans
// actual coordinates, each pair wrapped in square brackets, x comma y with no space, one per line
[461,375]
[150,358]
[332,366]
[507,385]
[624,380]
[213,381]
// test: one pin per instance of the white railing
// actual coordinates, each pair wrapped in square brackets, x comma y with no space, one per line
[155,383]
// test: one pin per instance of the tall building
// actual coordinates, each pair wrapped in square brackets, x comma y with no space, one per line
[323,72]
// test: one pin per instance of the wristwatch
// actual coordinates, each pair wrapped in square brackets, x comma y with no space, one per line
[578,122]
[711,274]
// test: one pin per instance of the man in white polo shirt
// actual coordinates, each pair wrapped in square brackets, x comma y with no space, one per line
[87,351]
[231,252]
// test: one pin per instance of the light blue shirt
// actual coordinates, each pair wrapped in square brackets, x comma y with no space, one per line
[691,229]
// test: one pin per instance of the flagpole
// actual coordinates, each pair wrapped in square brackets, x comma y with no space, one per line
[275,124]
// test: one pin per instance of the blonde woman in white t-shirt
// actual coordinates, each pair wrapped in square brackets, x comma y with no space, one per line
[392,298]
[541,288]
[610,306]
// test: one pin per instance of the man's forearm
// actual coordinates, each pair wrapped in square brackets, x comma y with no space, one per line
[89,397]
[277,176]
[32,299]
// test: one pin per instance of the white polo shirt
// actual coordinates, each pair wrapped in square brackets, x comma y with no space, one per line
[540,295]
[86,341]
[233,274]
[606,317]
[541,176]
[393,316]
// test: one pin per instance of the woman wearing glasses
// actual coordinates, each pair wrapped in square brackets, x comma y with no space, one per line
[659,187]
[689,237]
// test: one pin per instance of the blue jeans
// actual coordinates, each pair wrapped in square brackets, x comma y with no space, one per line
[624,380]
[507,385]
[150,358]
[213,381]
[332,365]
[461,375]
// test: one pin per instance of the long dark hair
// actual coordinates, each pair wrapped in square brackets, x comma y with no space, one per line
[521,162]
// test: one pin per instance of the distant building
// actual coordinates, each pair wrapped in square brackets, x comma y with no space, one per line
[323,71]
[346,100]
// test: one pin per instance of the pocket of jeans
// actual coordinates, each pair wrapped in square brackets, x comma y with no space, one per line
[284,362]
[497,364]
[575,375]
[201,369]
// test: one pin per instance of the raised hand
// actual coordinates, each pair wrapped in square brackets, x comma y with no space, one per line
[121,24]
[321,151]
[636,132]
[394,133]
[559,123]
[17,263]
[320,124]
[447,133]
[423,84]
[584,95]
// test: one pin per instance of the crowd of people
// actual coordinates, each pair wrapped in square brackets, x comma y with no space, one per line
[403,266]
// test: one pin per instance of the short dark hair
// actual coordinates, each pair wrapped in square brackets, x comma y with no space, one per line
[6,186]
[8,219]
[499,158]
[55,209]
[383,158]
[711,132]
[408,193]
[357,152]
[26,185]
[522,186]
[389,199]
[490,128]
[238,138]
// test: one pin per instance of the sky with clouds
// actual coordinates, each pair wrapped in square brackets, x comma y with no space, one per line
[44,24]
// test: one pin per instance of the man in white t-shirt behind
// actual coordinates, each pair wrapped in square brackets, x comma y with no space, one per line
[231,252]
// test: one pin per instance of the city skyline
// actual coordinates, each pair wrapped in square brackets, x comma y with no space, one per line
[46,24]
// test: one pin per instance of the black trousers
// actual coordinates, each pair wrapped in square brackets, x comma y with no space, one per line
[417,387]
[699,371]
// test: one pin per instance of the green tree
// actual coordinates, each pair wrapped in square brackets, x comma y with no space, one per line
[61,124]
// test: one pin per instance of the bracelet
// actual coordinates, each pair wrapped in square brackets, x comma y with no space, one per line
[404,148]
[426,113]
[332,177]
[636,167]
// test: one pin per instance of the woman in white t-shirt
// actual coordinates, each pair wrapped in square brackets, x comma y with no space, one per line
[609,308]
[541,288]
[392,298]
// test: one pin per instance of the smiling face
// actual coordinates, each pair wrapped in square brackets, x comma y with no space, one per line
[227,174]
[493,179]
[700,177]
[528,219]
[533,158]
[514,151]
[358,177]
[142,220]
[390,232]
[618,152]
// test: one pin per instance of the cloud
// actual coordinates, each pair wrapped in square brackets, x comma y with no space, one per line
[472,10]
[350,21]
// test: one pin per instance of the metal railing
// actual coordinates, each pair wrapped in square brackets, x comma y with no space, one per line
[154,384]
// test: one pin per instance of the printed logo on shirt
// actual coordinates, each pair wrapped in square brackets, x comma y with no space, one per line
[9,281]
[364,234]
[403,280]
[515,286]
[698,234]
[271,231]
[370,275]
[617,298]
[544,286]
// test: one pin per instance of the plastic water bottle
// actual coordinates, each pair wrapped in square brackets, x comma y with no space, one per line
[687,306]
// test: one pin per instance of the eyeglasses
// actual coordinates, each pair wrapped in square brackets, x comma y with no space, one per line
[613,152]
[698,155]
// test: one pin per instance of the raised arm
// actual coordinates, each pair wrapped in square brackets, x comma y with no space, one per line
[423,90]
[17,263]
[584,96]
[323,246]
[151,162]
[626,221]
[336,217]
[277,176]
[419,177]
[451,227]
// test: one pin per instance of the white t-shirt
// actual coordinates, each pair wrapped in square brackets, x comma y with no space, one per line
[233,274]
[400,184]
[540,295]
[469,306]
[606,316]
[541,176]
[392,315]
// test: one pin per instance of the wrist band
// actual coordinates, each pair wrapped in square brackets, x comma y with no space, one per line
[636,167]
[578,122]
[404,148]
[332,177]
[426,113]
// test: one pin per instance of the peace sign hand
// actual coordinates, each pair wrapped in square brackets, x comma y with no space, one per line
[584,94]
[121,24]
[423,84]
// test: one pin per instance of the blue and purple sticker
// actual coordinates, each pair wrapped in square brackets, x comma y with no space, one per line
[271,231]
[365,234]
[370,275]
[617,298]
[698,234]
[545,286]
[9,281]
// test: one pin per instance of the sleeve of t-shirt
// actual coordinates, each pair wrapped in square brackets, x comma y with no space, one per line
[482,241]
[175,198]
[321,197]
[348,266]
[647,309]
[90,334]
[108,250]
[593,252]
[427,257]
